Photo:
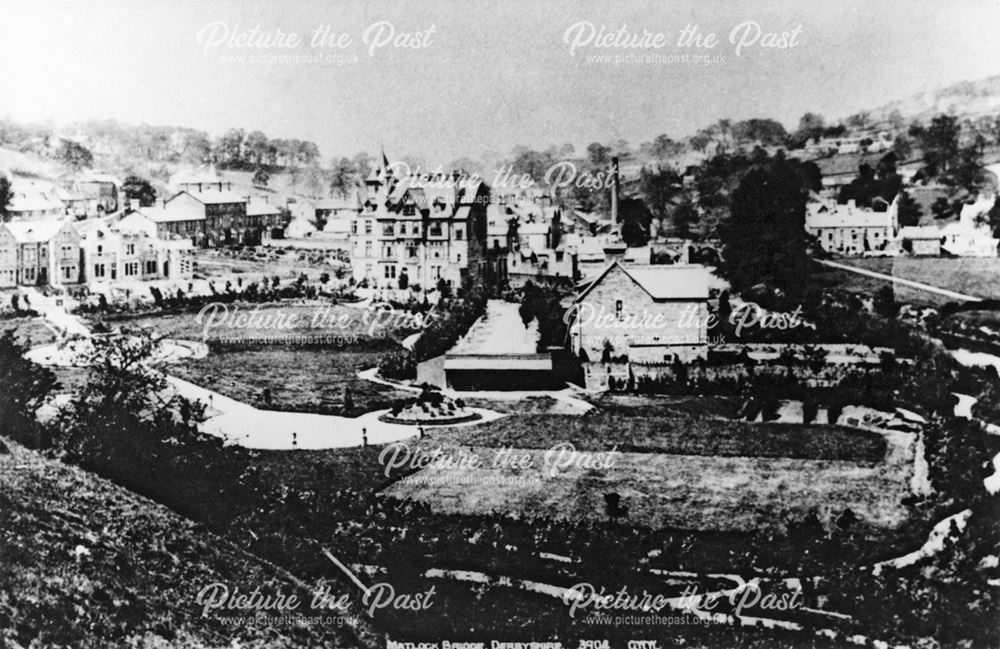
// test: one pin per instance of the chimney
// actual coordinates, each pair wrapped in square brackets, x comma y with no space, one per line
[614,190]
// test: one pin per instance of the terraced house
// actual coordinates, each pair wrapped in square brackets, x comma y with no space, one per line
[38,253]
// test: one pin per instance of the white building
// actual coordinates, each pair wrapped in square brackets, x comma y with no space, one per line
[847,229]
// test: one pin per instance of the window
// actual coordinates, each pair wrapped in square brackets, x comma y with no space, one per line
[98,270]
[435,230]
[29,274]
[619,307]
[388,230]
[387,252]
[130,249]
[436,272]
[390,272]
[411,250]
[368,248]
[368,227]
[151,267]
[67,272]
[409,210]
[131,268]
[458,259]
[458,234]
[100,250]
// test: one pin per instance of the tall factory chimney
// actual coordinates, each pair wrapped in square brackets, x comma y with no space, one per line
[614,191]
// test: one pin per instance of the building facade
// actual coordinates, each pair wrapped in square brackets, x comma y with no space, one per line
[642,314]
[425,228]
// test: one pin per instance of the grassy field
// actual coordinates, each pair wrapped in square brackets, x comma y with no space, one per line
[300,380]
[668,491]
[33,331]
[681,436]
[272,321]
[306,363]
[85,563]
[975,277]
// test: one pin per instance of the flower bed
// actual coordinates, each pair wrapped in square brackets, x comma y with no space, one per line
[431,408]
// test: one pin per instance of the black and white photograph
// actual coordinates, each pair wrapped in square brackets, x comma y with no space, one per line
[499,324]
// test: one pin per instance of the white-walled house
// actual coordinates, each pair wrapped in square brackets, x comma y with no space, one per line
[848,229]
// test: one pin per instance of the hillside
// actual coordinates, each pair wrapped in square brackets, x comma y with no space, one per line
[85,563]
[964,99]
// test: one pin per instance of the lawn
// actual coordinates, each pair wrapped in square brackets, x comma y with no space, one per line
[300,380]
[971,276]
[306,355]
[668,491]
[677,435]
[32,331]
[272,321]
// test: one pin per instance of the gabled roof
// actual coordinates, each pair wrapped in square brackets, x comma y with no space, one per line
[214,197]
[662,282]
[173,211]
[260,207]
[34,231]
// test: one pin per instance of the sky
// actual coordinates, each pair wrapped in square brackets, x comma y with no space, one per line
[440,79]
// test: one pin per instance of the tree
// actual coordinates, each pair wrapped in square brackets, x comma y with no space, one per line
[598,154]
[966,171]
[909,210]
[902,146]
[768,131]
[256,147]
[123,411]
[663,147]
[658,189]
[884,302]
[444,289]
[260,177]
[765,239]
[939,143]
[74,155]
[140,189]
[229,149]
[810,126]
[6,194]
[25,386]
[635,219]
[941,208]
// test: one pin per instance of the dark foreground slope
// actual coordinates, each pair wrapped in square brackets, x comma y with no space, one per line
[85,563]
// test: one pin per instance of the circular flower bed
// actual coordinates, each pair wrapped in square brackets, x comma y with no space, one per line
[431,408]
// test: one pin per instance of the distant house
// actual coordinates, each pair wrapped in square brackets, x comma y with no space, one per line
[225,216]
[182,217]
[299,228]
[642,314]
[129,250]
[921,240]
[969,236]
[344,207]
[39,253]
[265,217]
[34,201]
[851,230]
[106,190]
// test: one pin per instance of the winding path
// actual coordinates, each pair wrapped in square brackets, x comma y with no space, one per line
[233,421]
